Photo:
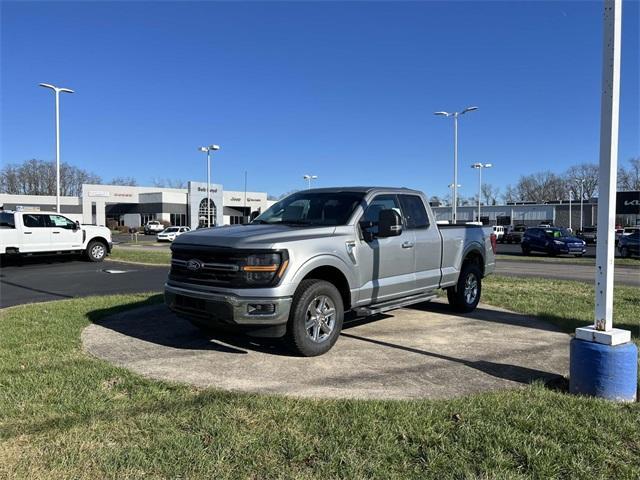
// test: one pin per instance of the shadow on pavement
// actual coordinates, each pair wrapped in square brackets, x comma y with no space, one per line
[500,370]
[490,315]
[156,324]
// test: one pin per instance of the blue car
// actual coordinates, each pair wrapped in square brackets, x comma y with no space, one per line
[629,245]
[552,241]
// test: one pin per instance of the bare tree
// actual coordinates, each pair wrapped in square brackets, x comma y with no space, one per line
[541,187]
[586,176]
[511,194]
[169,183]
[489,193]
[38,177]
[629,178]
[124,181]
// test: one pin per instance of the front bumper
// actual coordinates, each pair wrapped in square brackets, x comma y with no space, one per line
[225,308]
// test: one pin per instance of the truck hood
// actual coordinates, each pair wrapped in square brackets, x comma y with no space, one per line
[95,231]
[251,236]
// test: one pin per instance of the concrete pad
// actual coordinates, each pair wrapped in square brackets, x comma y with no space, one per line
[419,352]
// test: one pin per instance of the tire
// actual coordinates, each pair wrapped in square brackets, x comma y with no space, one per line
[624,252]
[96,251]
[462,297]
[309,336]
[526,250]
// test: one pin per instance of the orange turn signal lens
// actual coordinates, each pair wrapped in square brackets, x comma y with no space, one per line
[260,268]
[283,267]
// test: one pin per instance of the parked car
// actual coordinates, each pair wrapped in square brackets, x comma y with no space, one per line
[588,234]
[499,231]
[153,227]
[296,268]
[169,234]
[32,233]
[514,234]
[619,232]
[629,245]
[552,241]
[629,230]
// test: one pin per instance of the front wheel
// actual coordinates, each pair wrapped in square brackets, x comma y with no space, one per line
[96,251]
[316,317]
[465,295]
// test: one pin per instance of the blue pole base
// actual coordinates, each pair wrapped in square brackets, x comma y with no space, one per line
[604,371]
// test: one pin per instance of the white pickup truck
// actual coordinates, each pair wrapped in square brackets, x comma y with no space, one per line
[30,233]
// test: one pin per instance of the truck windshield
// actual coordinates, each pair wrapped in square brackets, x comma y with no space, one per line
[311,208]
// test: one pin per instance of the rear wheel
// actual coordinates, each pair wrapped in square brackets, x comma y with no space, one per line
[96,251]
[624,252]
[316,317]
[464,297]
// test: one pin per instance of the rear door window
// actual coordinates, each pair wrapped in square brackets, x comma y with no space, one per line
[7,220]
[415,213]
[31,220]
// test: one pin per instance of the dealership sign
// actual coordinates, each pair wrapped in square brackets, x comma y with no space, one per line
[628,203]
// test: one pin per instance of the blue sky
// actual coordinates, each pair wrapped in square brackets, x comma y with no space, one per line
[344,91]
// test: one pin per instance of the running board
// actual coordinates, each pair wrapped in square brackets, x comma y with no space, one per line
[393,304]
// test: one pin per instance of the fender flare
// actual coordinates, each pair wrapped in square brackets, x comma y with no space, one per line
[324,260]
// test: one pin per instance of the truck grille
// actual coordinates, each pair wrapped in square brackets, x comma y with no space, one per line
[207,267]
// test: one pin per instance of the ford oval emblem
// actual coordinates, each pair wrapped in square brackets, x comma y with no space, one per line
[194,265]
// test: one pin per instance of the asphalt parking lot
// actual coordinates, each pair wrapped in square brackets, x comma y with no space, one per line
[411,353]
[40,279]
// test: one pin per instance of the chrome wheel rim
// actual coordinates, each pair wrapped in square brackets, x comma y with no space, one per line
[97,251]
[320,319]
[470,289]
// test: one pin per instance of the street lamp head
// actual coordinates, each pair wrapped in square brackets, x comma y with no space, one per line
[468,109]
[488,165]
[214,147]
[56,89]
[446,114]
[203,149]
[476,165]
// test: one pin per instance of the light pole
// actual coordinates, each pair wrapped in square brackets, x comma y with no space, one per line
[480,166]
[308,178]
[581,199]
[57,91]
[208,151]
[451,187]
[455,116]
[570,195]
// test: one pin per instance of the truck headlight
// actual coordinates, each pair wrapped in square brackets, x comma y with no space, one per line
[264,268]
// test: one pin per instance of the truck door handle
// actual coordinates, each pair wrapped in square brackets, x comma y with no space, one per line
[407,245]
[55,233]
[28,233]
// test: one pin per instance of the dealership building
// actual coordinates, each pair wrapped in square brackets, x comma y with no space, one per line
[554,213]
[135,206]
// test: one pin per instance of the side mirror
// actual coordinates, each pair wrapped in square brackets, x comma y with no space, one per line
[77,225]
[389,224]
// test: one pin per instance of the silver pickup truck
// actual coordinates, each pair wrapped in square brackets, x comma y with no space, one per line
[296,269]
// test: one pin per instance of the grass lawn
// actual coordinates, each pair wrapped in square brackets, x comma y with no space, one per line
[64,414]
[161,257]
[633,262]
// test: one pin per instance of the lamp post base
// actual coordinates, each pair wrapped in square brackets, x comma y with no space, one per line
[604,371]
